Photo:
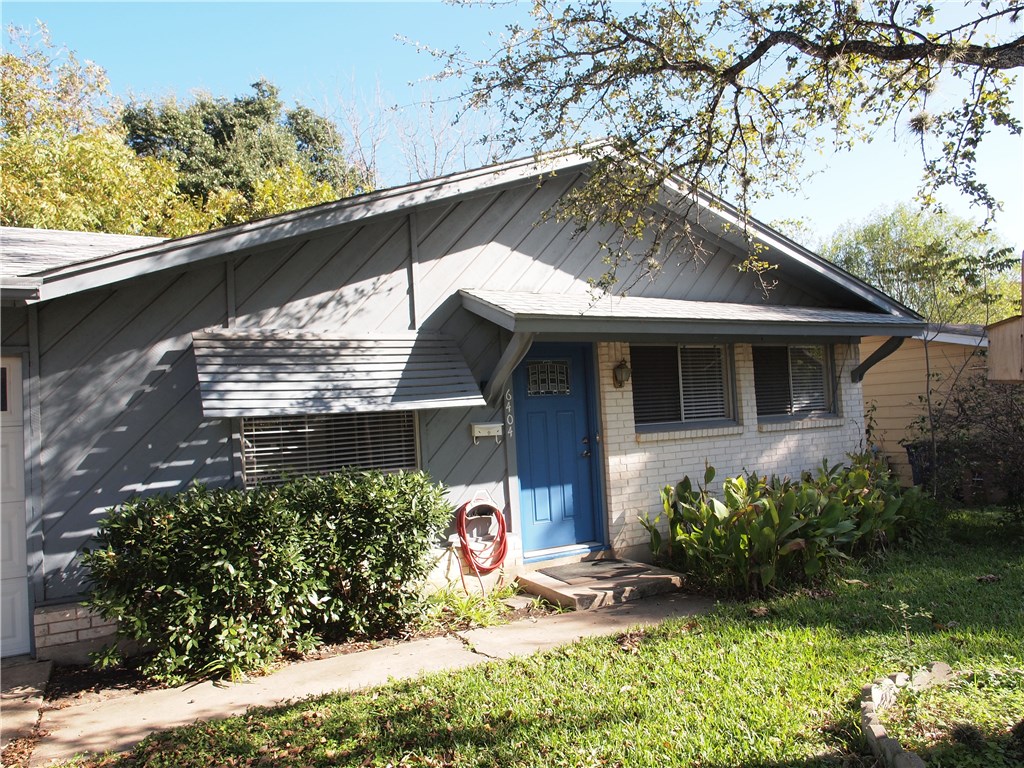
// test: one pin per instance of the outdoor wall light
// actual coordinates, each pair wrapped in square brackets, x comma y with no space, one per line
[621,374]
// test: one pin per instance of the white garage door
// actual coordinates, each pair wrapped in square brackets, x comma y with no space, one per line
[14,618]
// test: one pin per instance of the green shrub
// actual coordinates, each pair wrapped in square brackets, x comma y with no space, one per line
[768,532]
[374,537]
[214,583]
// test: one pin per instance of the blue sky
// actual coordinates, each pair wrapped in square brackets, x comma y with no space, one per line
[323,53]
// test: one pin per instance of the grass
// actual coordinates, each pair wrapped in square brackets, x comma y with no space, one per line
[975,720]
[774,683]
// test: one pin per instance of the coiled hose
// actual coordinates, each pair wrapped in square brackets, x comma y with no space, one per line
[486,556]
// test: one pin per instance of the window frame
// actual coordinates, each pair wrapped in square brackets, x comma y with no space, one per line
[730,403]
[251,476]
[830,384]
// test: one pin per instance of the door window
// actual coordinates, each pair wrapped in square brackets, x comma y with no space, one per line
[547,377]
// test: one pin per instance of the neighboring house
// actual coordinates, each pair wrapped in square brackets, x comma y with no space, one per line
[895,389]
[1006,365]
[394,329]
[1006,359]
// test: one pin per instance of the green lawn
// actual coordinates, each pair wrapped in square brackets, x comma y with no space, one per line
[772,683]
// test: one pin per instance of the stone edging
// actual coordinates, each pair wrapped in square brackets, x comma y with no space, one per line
[882,694]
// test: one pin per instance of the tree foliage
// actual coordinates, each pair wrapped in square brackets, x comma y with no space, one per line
[727,97]
[72,158]
[937,264]
[65,164]
[248,156]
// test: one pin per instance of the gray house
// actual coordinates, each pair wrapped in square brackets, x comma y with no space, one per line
[446,325]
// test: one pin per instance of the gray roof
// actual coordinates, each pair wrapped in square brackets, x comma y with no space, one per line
[31,251]
[264,373]
[608,315]
[27,255]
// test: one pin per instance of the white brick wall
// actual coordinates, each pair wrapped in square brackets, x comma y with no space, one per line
[638,465]
[69,632]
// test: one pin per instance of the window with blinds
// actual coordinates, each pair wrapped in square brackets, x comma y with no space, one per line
[673,384]
[276,448]
[792,381]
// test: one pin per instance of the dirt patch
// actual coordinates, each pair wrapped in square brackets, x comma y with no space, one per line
[73,685]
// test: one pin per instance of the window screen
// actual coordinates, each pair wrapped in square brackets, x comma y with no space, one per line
[789,381]
[680,384]
[277,448]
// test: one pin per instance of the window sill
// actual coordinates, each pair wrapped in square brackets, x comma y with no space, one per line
[827,422]
[688,433]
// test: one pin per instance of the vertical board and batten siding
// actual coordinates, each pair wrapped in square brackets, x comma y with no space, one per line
[13,327]
[350,278]
[122,412]
[894,388]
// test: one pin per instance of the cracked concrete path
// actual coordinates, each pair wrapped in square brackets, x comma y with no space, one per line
[118,724]
[525,637]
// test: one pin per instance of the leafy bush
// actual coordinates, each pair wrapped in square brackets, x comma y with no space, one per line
[766,532]
[374,533]
[969,445]
[218,582]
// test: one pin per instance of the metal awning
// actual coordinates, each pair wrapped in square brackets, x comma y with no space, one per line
[272,373]
[635,318]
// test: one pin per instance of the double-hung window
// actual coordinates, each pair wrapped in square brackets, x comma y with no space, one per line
[277,448]
[793,381]
[681,384]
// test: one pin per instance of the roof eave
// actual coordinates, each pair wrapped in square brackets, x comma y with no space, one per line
[603,327]
[811,261]
[184,251]
[20,290]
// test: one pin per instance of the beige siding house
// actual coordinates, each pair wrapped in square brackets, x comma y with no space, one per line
[895,389]
[1006,364]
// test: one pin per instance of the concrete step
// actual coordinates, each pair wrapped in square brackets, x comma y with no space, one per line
[597,583]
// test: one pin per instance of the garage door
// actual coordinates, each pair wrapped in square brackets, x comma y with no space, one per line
[14,618]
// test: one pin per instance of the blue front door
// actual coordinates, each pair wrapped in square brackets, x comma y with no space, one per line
[556,446]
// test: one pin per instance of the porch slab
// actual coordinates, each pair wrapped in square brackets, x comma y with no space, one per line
[592,584]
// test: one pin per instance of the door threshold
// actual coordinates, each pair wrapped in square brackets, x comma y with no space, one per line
[537,555]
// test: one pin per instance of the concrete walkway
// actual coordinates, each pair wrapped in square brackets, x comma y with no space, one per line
[22,685]
[120,723]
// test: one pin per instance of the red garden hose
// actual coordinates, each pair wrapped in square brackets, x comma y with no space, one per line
[488,556]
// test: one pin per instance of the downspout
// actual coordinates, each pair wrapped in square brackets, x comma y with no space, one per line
[889,346]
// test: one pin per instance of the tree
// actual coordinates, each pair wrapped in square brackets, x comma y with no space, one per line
[937,264]
[65,165]
[727,96]
[424,139]
[246,156]
[944,268]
